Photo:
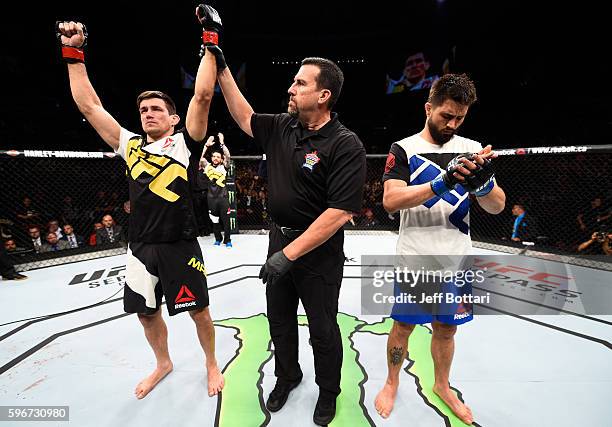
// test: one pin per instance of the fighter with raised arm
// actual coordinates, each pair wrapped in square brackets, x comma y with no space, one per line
[161,163]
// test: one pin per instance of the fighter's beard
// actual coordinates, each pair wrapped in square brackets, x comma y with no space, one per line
[438,137]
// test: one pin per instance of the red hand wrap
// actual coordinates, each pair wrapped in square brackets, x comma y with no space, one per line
[210,37]
[73,53]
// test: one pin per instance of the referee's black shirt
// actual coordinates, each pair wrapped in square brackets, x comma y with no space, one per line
[309,171]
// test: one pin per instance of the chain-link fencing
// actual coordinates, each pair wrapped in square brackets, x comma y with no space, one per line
[564,193]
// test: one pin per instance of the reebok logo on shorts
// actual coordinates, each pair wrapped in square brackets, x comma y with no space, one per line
[185,298]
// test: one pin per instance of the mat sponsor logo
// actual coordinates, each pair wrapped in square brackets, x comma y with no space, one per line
[527,278]
[109,276]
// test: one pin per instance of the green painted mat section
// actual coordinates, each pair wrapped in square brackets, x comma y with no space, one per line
[243,399]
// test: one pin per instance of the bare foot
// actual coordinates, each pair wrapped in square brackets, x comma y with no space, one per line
[385,400]
[215,380]
[452,401]
[145,386]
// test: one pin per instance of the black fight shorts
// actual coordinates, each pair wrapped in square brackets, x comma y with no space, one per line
[174,270]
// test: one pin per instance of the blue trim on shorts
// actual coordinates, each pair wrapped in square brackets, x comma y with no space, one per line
[429,318]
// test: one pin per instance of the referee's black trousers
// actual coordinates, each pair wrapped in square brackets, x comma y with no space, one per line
[318,288]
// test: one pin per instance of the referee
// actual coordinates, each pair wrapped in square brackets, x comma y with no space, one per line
[316,173]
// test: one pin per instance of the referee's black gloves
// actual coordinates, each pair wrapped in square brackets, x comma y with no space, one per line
[275,267]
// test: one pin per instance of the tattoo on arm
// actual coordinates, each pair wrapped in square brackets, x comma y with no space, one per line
[395,355]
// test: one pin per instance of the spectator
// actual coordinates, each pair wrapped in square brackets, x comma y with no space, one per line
[123,217]
[92,237]
[7,269]
[524,228]
[112,206]
[6,229]
[262,169]
[369,220]
[100,204]
[69,214]
[595,217]
[54,244]
[600,243]
[109,233]
[53,227]
[27,213]
[73,240]
[35,240]
[414,76]
[11,247]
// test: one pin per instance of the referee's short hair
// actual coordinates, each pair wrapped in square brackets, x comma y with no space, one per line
[330,77]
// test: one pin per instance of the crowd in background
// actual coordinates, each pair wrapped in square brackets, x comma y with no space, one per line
[41,227]
[569,219]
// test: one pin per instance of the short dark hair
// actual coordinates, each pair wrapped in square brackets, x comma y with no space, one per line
[217,150]
[456,87]
[148,94]
[330,77]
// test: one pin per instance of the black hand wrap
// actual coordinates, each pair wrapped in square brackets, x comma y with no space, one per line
[71,54]
[275,267]
[446,182]
[480,181]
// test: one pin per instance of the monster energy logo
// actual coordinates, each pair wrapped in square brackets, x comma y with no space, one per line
[243,383]
[232,223]
[231,196]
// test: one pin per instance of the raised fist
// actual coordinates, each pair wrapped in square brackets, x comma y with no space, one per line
[73,34]
[209,18]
